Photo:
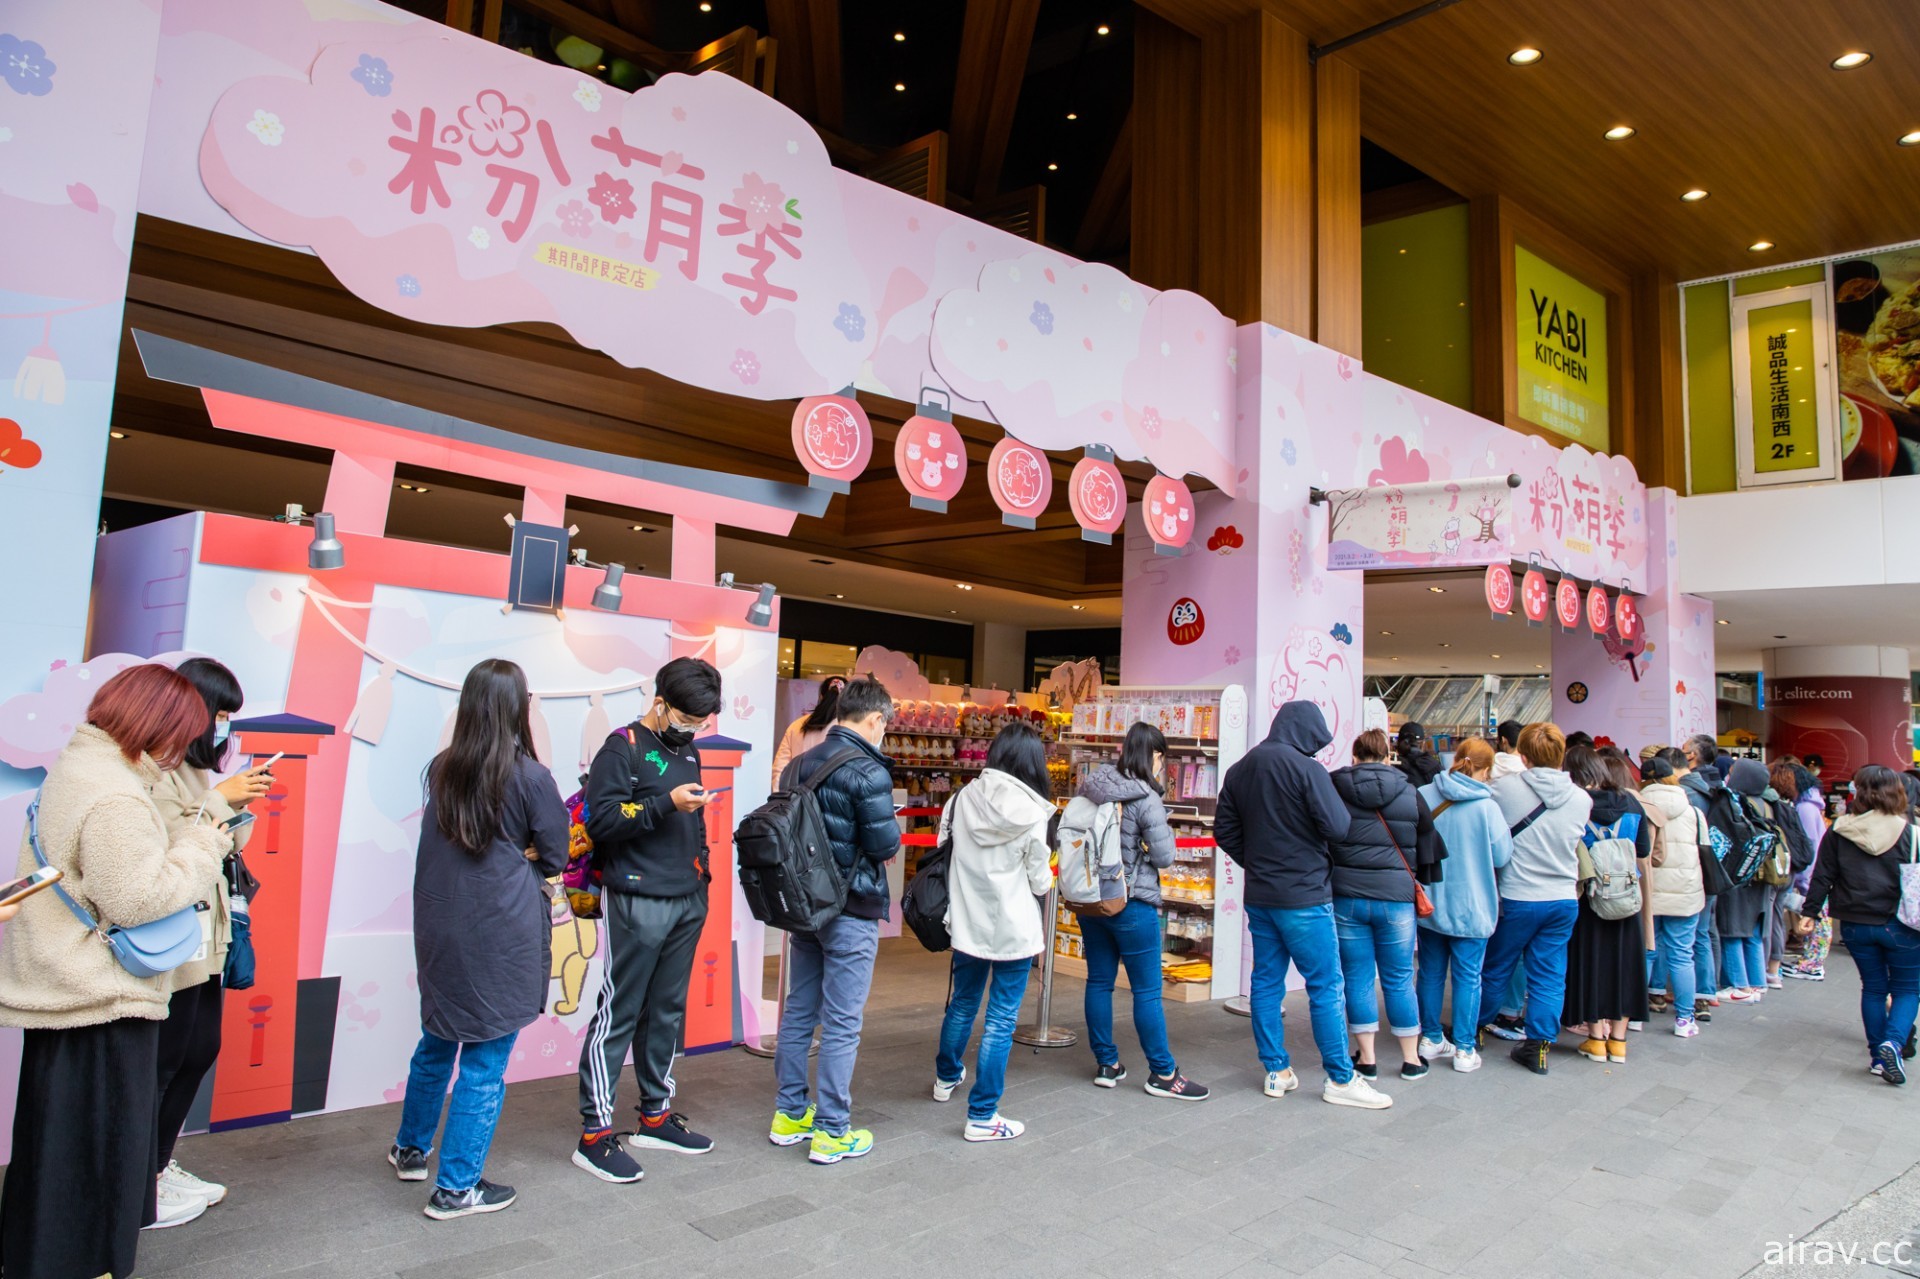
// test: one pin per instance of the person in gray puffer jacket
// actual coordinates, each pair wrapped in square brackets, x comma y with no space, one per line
[1146,839]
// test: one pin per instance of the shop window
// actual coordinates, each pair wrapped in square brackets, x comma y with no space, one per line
[943,668]
[819,659]
[789,655]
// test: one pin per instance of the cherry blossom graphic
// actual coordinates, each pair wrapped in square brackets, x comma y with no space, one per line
[1232,656]
[1042,319]
[851,323]
[16,450]
[373,75]
[1150,424]
[266,126]
[26,67]
[576,219]
[406,286]
[587,94]
[761,203]
[743,707]
[493,125]
[1398,465]
[745,366]
[614,196]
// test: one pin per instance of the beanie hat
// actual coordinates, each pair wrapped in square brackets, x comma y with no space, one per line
[1748,777]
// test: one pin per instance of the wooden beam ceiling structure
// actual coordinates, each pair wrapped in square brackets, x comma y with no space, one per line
[808,33]
[285,310]
[994,43]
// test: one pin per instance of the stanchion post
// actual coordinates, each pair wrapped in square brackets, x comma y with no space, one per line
[1043,1033]
[764,1045]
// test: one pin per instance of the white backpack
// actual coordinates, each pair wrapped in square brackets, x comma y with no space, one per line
[1093,875]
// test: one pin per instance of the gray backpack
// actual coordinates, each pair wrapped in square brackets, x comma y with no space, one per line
[1092,875]
[1610,867]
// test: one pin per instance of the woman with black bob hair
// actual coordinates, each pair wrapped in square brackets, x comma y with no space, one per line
[1857,876]
[810,729]
[1133,936]
[1001,863]
[190,1036]
[494,828]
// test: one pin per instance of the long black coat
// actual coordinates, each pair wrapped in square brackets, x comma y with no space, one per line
[482,937]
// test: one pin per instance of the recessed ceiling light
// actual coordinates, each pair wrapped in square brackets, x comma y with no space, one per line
[406,486]
[421,489]
[1539,666]
[1910,139]
[1619,133]
[1102,30]
[1386,632]
[899,88]
[1848,61]
[1078,607]
[1695,195]
[116,435]
[1446,646]
[1053,168]
[705,7]
[899,37]
[1073,115]
[1760,246]
[1722,622]
[965,586]
[1525,57]
[1494,656]
[837,597]
[1393,659]
[953,612]
[1437,590]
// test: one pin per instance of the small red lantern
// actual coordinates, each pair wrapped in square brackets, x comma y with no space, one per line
[1599,610]
[1168,504]
[833,439]
[1535,597]
[1626,619]
[1021,481]
[1566,603]
[929,454]
[1185,622]
[1098,495]
[1499,589]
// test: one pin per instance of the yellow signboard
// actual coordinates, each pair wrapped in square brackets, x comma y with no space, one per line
[1561,328]
[1780,370]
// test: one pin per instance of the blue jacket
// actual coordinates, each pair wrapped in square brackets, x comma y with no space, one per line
[856,802]
[1467,902]
[1278,812]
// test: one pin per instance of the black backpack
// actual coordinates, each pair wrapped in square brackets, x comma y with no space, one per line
[1737,836]
[923,907]
[1799,843]
[788,872]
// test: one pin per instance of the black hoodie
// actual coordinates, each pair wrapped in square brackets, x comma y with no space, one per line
[1278,811]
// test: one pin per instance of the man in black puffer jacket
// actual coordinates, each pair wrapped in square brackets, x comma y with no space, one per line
[830,971]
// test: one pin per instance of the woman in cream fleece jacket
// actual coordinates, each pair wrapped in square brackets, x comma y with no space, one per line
[81,1182]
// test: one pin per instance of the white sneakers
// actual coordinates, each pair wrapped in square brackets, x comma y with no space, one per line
[943,1089]
[180,1197]
[998,1128]
[180,1179]
[1435,1049]
[1466,1061]
[1281,1082]
[1355,1092]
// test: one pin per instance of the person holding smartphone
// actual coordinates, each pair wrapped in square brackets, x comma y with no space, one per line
[190,1036]
[645,802]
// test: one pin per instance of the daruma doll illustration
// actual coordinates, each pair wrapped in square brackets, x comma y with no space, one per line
[929,454]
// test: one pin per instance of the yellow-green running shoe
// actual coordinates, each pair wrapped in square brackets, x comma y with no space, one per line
[828,1149]
[791,1132]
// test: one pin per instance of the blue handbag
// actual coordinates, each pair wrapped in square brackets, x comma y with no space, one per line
[145,950]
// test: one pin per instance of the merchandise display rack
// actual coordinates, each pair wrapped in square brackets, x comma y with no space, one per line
[1201,919]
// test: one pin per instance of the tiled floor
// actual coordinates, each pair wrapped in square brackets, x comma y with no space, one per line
[1686,1161]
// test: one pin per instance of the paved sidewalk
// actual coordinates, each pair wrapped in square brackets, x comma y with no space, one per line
[1687,1161]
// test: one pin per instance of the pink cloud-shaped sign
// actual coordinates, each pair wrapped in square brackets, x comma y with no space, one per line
[1070,355]
[34,727]
[695,227]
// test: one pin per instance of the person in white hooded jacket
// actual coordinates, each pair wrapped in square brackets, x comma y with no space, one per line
[1000,864]
[1675,890]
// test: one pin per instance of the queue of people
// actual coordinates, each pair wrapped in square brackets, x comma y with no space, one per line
[1419,888]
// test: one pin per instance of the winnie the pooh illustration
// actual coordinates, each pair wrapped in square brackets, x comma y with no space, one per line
[575,941]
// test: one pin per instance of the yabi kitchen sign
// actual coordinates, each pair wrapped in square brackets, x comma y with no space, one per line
[1560,326]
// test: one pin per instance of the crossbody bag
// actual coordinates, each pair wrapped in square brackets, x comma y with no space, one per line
[145,950]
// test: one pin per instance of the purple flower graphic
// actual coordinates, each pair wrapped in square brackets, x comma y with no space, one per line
[26,67]
[1042,318]
[850,322]
[576,219]
[373,75]
[1288,453]
[407,285]
[745,366]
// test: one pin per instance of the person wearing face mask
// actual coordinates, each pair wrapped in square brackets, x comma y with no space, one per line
[644,814]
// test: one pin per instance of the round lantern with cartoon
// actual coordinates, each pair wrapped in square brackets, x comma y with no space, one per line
[1021,481]
[1168,505]
[833,439]
[929,454]
[1098,495]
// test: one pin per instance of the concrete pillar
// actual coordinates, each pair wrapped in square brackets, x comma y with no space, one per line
[1848,704]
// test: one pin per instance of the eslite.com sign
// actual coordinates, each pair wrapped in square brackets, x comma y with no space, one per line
[1561,362]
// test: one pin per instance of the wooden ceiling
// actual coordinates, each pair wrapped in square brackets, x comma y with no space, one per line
[284,309]
[1729,95]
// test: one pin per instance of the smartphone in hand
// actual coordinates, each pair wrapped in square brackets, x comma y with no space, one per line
[21,889]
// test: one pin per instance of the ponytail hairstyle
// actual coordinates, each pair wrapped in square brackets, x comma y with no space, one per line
[468,781]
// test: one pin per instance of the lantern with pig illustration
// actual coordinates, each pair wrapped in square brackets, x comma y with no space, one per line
[1168,504]
[929,454]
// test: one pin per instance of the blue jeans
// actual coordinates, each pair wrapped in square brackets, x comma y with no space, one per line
[1305,936]
[1673,950]
[474,1110]
[1745,958]
[1132,937]
[1463,957]
[970,977]
[1535,934]
[1376,939]
[1706,952]
[1888,957]
[1514,1001]
[828,976]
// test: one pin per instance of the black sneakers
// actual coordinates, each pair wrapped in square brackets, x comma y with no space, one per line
[1109,1076]
[1504,1026]
[1366,1069]
[408,1162]
[605,1159]
[1909,1049]
[484,1196]
[671,1133]
[1531,1053]
[1414,1069]
[1177,1087]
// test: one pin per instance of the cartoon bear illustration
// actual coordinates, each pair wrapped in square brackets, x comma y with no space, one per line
[575,941]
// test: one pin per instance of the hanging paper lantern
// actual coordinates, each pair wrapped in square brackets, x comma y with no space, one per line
[1098,495]
[1499,589]
[1169,509]
[1535,597]
[1599,610]
[1021,481]
[833,439]
[1626,619]
[929,454]
[1566,603]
